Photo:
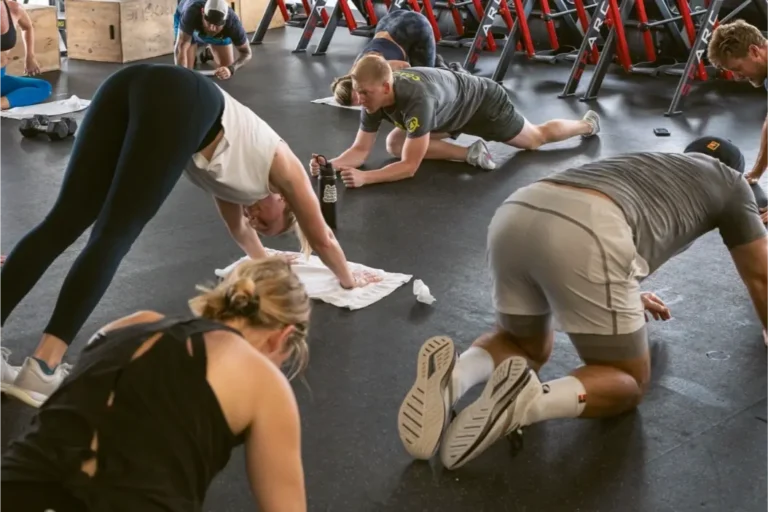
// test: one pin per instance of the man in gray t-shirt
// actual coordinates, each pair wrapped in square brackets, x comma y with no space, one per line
[573,248]
[427,105]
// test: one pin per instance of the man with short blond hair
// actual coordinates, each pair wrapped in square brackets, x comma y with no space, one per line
[742,49]
[367,69]
[427,105]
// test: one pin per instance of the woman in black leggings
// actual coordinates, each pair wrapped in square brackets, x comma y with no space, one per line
[147,124]
[404,38]
[155,405]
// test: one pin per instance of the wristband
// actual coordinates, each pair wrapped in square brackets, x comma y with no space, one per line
[231,69]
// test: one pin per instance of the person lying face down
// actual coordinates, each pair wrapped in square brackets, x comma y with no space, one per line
[428,106]
[403,38]
[155,405]
[569,252]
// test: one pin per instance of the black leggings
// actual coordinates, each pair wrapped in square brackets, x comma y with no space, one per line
[143,125]
[38,497]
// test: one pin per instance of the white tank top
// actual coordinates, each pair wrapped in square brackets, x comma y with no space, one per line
[239,168]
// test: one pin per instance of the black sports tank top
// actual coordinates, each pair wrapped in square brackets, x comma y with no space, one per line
[161,442]
[388,49]
[8,40]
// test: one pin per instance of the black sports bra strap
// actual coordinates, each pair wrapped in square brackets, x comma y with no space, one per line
[186,327]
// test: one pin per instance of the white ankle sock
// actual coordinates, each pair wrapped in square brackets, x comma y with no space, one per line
[474,366]
[566,398]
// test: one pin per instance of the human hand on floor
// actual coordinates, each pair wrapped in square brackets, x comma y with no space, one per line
[364,278]
[353,178]
[31,67]
[655,306]
[289,258]
[223,73]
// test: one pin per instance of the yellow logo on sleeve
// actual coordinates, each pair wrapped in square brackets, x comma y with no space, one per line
[412,124]
[406,74]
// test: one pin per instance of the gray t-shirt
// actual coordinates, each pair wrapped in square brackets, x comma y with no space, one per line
[430,100]
[671,199]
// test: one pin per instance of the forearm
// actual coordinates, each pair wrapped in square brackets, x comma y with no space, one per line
[352,157]
[762,156]
[392,172]
[29,43]
[330,253]
[242,58]
[180,55]
[248,239]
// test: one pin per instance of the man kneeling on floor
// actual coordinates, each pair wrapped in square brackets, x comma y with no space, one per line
[574,246]
[428,105]
[214,25]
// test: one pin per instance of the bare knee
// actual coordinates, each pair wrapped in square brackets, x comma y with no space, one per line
[531,137]
[536,139]
[395,142]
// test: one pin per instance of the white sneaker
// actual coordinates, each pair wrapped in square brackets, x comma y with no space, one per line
[593,118]
[8,372]
[426,410]
[499,410]
[480,156]
[33,386]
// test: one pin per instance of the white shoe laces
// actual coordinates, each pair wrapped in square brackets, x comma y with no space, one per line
[6,353]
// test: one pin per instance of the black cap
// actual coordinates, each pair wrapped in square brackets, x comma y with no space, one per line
[722,149]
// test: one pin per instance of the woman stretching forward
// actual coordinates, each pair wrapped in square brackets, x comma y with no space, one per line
[155,405]
[144,125]
[19,91]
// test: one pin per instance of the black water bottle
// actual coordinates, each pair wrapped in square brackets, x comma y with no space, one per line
[326,191]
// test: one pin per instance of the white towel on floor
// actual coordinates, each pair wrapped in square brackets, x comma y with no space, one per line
[322,284]
[51,108]
[332,102]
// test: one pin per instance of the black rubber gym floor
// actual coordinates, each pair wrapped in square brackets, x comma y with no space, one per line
[697,443]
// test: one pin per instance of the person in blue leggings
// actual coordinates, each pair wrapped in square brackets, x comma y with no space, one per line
[405,39]
[19,91]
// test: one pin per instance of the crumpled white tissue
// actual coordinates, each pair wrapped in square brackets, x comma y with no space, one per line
[421,291]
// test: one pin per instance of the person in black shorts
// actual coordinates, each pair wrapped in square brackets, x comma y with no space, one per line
[155,405]
[427,105]
[147,126]
[404,38]
[214,25]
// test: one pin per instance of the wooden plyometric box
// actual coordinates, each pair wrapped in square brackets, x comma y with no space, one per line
[119,30]
[43,19]
[252,11]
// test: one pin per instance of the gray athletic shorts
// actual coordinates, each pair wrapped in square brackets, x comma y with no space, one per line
[561,252]
[496,119]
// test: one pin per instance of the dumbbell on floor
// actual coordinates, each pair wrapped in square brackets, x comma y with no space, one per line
[56,130]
